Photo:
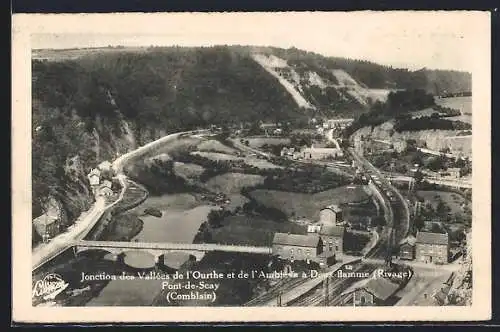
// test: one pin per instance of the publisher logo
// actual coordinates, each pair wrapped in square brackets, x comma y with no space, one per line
[49,287]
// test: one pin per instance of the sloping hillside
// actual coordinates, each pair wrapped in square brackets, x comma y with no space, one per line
[90,105]
[92,108]
[318,88]
[375,76]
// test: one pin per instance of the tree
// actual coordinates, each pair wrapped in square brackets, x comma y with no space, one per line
[418,177]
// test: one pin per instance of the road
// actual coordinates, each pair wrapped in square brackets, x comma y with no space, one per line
[47,251]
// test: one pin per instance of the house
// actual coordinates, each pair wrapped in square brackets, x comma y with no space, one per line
[297,246]
[454,172]
[105,166]
[407,248]
[321,153]
[337,123]
[332,237]
[432,247]
[48,224]
[94,176]
[105,188]
[369,292]
[332,215]
[313,228]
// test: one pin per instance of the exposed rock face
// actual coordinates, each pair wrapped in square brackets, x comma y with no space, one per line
[434,139]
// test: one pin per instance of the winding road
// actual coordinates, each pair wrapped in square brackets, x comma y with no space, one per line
[47,251]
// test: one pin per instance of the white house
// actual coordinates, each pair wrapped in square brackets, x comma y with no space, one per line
[94,177]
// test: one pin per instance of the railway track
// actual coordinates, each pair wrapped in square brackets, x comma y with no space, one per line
[274,292]
[316,296]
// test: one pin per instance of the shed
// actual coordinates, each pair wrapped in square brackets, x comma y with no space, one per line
[369,291]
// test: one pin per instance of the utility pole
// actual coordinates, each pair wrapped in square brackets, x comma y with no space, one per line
[325,288]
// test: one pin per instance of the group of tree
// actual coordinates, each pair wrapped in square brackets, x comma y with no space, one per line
[430,123]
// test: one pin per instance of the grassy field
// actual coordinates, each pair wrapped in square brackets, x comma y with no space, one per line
[307,205]
[173,201]
[257,142]
[252,230]
[180,144]
[453,200]
[233,182]
[260,163]
[216,155]
[214,146]
[463,104]
[188,170]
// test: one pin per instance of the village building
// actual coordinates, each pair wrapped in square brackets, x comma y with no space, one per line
[432,247]
[313,228]
[106,188]
[105,166]
[407,248]
[337,123]
[331,215]
[49,224]
[297,246]
[321,153]
[332,237]
[94,177]
[454,172]
[370,292]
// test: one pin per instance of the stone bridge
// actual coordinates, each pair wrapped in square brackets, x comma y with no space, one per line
[157,248]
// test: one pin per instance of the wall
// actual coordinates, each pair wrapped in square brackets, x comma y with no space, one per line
[298,253]
[327,216]
[439,253]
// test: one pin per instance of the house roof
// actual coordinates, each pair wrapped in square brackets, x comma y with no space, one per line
[106,183]
[333,207]
[432,238]
[298,240]
[45,220]
[381,288]
[94,172]
[332,230]
[411,240]
[51,214]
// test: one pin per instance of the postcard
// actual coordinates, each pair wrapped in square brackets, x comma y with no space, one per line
[251,167]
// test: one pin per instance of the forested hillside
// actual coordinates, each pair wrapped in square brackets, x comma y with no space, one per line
[88,109]
[95,106]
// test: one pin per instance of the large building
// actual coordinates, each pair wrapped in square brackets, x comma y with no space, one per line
[332,214]
[432,247]
[332,237]
[297,246]
[321,153]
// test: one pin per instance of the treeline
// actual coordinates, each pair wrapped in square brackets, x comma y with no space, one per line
[307,180]
[430,123]
[398,105]
[159,178]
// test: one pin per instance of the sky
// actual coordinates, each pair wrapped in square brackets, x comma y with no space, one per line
[439,40]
